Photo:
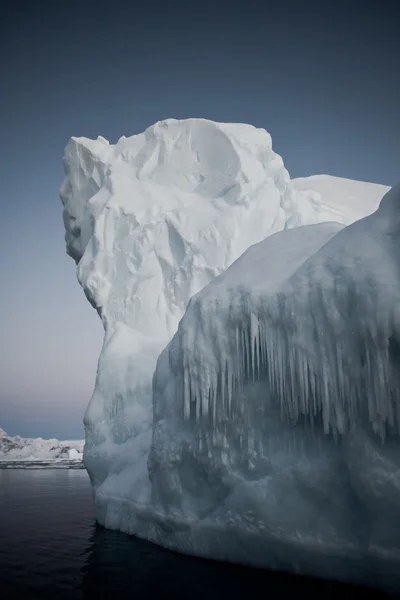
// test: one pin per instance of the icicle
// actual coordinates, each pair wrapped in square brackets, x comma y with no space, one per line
[327,379]
[230,390]
[186,394]
[204,402]
[281,375]
[214,390]
[326,412]
[253,343]
[263,346]
[289,392]
[222,391]
[237,341]
[261,365]
[192,397]
[244,354]
[270,364]
[198,406]
[303,384]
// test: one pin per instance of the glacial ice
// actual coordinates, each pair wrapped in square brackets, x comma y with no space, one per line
[150,221]
[25,451]
[277,405]
[265,433]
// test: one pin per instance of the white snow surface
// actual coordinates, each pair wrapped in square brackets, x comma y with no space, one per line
[19,449]
[210,462]
[340,199]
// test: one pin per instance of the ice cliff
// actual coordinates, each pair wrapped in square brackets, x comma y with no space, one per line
[217,459]
[16,449]
[281,391]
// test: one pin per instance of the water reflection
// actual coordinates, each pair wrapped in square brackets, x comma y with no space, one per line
[121,566]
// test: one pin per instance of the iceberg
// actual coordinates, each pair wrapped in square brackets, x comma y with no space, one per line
[280,391]
[16,451]
[150,221]
[239,434]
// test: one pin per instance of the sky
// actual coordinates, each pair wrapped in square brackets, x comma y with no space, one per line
[322,77]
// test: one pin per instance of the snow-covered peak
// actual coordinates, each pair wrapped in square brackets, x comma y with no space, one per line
[178,203]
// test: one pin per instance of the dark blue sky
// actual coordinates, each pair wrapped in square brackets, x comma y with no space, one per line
[321,77]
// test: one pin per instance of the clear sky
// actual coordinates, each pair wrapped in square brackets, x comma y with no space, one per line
[322,77]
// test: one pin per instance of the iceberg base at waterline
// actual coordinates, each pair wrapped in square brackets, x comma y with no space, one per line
[263,429]
[17,452]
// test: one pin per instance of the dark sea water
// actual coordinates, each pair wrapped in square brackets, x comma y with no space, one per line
[50,547]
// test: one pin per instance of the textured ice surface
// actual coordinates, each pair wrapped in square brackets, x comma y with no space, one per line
[281,392]
[150,222]
[19,450]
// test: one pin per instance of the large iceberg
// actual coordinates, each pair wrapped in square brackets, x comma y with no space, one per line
[281,392]
[269,437]
[16,451]
[150,221]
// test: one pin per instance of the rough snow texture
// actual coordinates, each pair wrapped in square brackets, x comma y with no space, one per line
[150,222]
[21,450]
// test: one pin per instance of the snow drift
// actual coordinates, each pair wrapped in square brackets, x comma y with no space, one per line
[220,462]
[18,450]
[339,199]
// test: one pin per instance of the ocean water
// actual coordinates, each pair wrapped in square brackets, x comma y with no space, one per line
[51,548]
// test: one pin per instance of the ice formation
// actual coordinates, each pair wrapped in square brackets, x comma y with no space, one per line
[150,221]
[280,391]
[18,450]
[217,460]
[339,199]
